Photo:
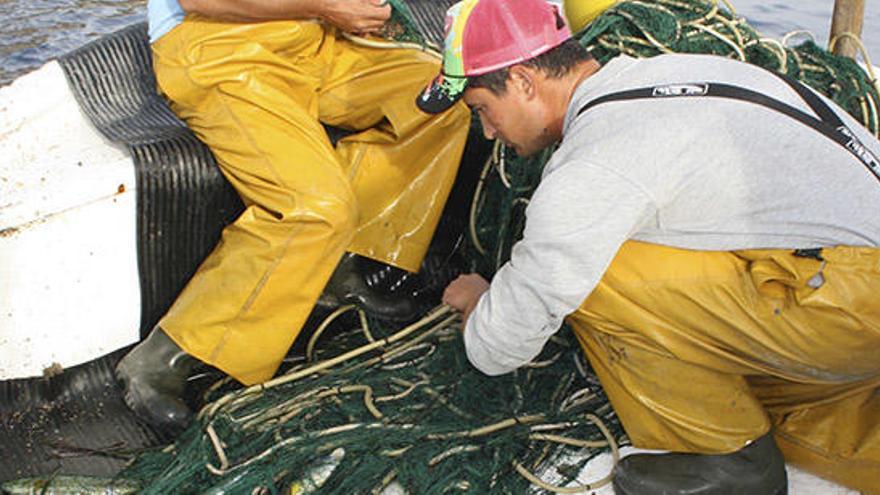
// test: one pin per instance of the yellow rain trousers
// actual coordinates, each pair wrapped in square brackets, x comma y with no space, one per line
[704,351]
[256,93]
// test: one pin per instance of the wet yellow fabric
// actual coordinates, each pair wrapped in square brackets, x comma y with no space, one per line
[256,94]
[579,13]
[704,351]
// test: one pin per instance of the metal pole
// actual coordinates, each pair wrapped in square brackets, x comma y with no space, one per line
[848,17]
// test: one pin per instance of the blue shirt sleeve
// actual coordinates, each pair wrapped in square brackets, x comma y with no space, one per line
[163,16]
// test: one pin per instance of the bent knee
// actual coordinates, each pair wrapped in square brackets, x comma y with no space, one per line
[341,215]
[338,212]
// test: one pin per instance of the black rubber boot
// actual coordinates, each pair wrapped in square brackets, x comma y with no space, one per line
[348,286]
[154,375]
[757,469]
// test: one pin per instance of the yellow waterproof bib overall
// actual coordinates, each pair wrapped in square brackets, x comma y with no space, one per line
[705,351]
[256,93]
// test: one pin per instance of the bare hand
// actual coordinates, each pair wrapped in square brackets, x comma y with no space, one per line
[356,16]
[464,292]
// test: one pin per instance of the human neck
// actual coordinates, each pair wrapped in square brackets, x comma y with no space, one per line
[561,91]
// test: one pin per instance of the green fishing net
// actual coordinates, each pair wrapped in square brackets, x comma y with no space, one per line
[400,26]
[413,411]
[371,405]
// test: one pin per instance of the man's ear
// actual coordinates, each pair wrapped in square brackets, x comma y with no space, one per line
[523,79]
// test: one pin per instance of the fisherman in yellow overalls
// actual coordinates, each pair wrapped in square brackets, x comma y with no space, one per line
[255,81]
[709,230]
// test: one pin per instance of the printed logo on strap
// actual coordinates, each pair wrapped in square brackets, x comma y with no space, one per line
[857,148]
[681,90]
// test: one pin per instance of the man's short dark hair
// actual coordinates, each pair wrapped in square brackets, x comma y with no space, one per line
[555,63]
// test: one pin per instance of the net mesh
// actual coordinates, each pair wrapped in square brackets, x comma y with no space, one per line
[414,412]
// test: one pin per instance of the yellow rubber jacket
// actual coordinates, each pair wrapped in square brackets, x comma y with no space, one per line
[256,94]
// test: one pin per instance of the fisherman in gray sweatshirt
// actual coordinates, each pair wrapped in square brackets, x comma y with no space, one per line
[709,230]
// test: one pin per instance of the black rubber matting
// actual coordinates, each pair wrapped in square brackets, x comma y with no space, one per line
[183,201]
[72,423]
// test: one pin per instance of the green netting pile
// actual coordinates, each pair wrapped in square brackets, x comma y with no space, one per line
[414,411]
[370,406]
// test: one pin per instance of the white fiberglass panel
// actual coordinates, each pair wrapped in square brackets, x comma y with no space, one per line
[69,289]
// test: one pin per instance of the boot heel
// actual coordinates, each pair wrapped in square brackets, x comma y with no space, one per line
[153,376]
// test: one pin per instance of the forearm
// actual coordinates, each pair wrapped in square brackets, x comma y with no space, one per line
[510,323]
[354,16]
[255,10]
[576,221]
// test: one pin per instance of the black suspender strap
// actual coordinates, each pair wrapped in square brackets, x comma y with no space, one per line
[820,107]
[828,122]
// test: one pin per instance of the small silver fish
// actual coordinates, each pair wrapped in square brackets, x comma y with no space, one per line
[70,485]
[318,474]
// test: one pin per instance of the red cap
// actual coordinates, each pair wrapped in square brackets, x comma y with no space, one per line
[486,35]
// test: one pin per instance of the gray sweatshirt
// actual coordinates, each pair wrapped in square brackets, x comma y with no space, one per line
[695,173]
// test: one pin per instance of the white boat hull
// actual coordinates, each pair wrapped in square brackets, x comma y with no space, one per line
[69,289]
